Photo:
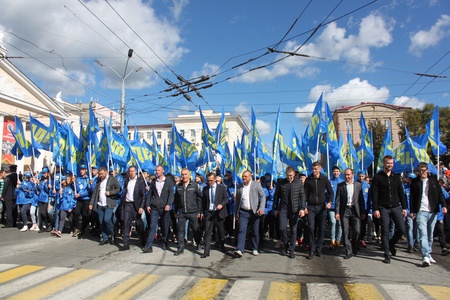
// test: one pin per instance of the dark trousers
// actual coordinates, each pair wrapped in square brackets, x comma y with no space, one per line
[155,215]
[388,214]
[246,218]
[129,214]
[82,209]
[316,216]
[351,225]
[363,232]
[284,217]
[10,212]
[62,219]
[24,209]
[43,214]
[439,231]
[193,222]
[212,219]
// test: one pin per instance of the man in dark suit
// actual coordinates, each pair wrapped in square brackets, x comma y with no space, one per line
[133,203]
[160,198]
[9,197]
[250,205]
[350,210]
[214,202]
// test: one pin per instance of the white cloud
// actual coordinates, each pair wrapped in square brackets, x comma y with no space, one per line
[245,112]
[178,6]
[424,39]
[352,93]
[410,102]
[71,31]
[207,69]
[375,31]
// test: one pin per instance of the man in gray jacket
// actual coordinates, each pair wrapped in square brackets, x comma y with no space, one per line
[103,201]
[249,207]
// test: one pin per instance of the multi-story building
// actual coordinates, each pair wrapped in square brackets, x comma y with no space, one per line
[347,118]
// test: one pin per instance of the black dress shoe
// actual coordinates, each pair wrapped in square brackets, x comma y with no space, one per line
[111,240]
[392,249]
[124,248]
[205,255]
[199,247]
[179,252]
[348,256]
[164,246]
[387,260]
[319,254]
[147,250]
[291,254]
[310,255]
[102,242]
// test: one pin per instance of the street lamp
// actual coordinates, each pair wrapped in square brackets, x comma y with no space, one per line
[122,94]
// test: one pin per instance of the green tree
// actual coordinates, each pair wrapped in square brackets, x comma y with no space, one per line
[378,132]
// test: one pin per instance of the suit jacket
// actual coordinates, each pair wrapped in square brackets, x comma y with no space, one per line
[138,193]
[166,197]
[358,198]
[257,198]
[112,186]
[221,197]
[9,187]
[435,196]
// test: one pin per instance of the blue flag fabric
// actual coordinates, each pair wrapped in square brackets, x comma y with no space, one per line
[40,134]
[386,148]
[434,134]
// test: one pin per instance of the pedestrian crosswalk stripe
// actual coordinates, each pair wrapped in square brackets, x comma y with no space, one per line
[402,291]
[205,288]
[130,287]
[284,290]
[320,291]
[437,292]
[58,284]
[27,281]
[178,286]
[363,291]
[18,272]
[90,287]
[4,267]
[246,289]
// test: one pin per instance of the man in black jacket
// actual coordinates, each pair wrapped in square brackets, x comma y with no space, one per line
[133,203]
[288,205]
[160,198]
[316,187]
[103,201]
[388,200]
[9,197]
[426,196]
[187,206]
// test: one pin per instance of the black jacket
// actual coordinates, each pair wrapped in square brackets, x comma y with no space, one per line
[387,191]
[188,199]
[9,187]
[435,196]
[112,186]
[138,193]
[221,197]
[166,197]
[342,195]
[283,190]
[315,189]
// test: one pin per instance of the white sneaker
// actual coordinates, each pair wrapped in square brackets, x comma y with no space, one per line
[24,228]
[36,227]
[425,262]
[255,252]
[238,253]
[432,260]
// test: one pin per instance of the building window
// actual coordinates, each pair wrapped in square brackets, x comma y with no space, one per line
[182,132]
[387,123]
[400,122]
[348,124]
[193,133]
[158,134]
[149,136]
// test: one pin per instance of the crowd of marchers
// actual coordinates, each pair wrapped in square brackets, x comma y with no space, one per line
[296,213]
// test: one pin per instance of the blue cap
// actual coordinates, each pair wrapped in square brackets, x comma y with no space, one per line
[94,167]
[83,167]
[362,173]
[44,170]
[39,176]
[28,175]
[63,177]
[303,173]
[412,175]
[111,169]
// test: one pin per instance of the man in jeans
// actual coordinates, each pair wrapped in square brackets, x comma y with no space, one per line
[389,203]
[426,195]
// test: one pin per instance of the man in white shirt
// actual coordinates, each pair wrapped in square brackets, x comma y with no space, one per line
[250,205]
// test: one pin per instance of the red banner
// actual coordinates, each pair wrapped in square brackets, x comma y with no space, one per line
[8,143]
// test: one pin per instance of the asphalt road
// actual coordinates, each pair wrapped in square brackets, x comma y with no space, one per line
[268,275]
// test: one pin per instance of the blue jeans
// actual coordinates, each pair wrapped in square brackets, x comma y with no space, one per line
[105,218]
[247,217]
[409,230]
[425,223]
[155,215]
[336,233]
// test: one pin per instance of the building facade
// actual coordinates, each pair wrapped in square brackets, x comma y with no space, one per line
[347,118]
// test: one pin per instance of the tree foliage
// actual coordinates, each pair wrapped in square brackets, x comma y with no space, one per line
[378,132]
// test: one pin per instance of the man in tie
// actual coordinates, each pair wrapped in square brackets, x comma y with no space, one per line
[350,210]
[214,202]
[250,205]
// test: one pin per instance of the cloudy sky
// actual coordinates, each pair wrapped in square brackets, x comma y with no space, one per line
[351,51]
